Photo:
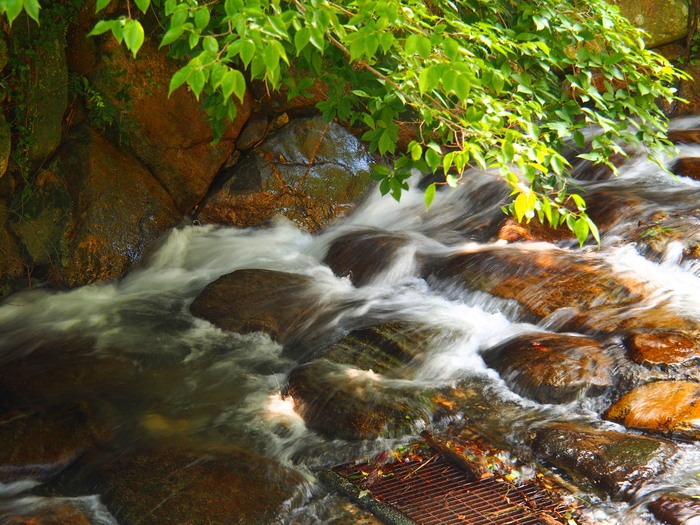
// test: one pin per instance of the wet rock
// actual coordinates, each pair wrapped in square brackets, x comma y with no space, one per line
[676,510]
[46,514]
[5,142]
[12,265]
[687,167]
[667,407]
[310,171]
[664,20]
[541,278]
[255,300]
[664,347]
[513,231]
[178,486]
[38,444]
[169,135]
[552,368]
[363,255]
[615,462]
[658,233]
[344,402]
[119,209]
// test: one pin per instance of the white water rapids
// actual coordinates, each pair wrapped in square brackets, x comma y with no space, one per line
[195,381]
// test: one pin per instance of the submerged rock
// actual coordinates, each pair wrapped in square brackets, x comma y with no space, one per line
[344,402]
[552,368]
[179,486]
[666,407]
[618,463]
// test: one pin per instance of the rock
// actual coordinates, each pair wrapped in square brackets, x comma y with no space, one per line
[664,347]
[183,486]
[541,278]
[552,368]
[350,403]
[664,20]
[44,214]
[12,265]
[310,171]
[514,231]
[686,167]
[363,255]
[666,407]
[255,300]
[49,513]
[169,135]
[618,463]
[119,209]
[676,510]
[45,91]
[38,444]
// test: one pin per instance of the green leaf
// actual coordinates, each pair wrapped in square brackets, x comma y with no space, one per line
[201,18]
[100,5]
[101,27]
[428,79]
[193,40]
[196,81]
[133,35]
[430,194]
[418,44]
[210,45]
[432,158]
[451,180]
[581,230]
[179,78]
[386,144]
[12,9]
[247,51]
[32,8]
[171,35]
[234,83]
[142,5]
[416,151]
[301,39]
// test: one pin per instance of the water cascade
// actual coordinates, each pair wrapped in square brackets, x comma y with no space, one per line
[219,376]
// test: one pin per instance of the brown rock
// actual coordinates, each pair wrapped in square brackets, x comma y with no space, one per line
[676,510]
[514,231]
[255,300]
[170,135]
[552,368]
[687,167]
[666,347]
[181,486]
[362,255]
[616,462]
[40,444]
[119,209]
[667,407]
[46,513]
[309,171]
[541,279]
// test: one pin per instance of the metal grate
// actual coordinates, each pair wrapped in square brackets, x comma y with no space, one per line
[436,492]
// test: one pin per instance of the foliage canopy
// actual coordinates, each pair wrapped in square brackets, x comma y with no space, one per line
[501,85]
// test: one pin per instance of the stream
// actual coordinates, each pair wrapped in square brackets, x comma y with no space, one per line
[115,388]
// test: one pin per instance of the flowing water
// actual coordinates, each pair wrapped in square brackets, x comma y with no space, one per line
[156,373]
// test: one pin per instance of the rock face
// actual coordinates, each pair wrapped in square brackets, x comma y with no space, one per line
[309,171]
[664,20]
[552,368]
[118,209]
[666,407]
[169,135]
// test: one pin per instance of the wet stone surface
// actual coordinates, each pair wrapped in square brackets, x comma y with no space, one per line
[552,368]
[665,347]
[675,510]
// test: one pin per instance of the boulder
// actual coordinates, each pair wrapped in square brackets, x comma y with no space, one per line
[181,486]
[171,136]
[665,407]
[39,444]
[686,167]
[363,255]
[552,368]
[255,301]
[616,462]
[309,171]
[118,209]
[664,20]
[45,513]
[539,277]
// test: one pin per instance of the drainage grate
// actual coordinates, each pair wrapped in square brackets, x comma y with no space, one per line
[433,491]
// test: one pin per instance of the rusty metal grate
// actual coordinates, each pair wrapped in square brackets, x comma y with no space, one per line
[436,492]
